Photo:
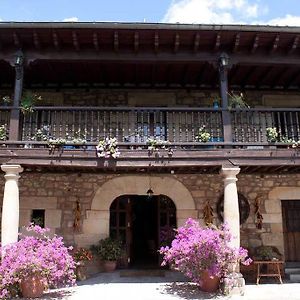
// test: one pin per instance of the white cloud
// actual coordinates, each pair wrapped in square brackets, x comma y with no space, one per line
[72,19]
[212,11]
[224,12]
[288,20]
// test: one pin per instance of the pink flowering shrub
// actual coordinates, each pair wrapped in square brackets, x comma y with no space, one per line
[196,249]
[35,254]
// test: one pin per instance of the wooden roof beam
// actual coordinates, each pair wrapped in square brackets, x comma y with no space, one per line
[196,42]
[275,44]
[116,41]
[217,42]
[136,42]
[255,44]
[36,41]
[176,42]
[96,41]
[236,43]
[294,45]
[75,41]
[56,41]
[156,42]
[16,39]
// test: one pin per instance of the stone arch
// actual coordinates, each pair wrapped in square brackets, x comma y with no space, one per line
[96,225]
[273,215]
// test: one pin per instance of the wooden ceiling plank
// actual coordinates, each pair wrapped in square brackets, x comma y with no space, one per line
[36,41]
[294,79]
[176,42]
[136,42]
[236,42]
[255,44]
[96,41]
[17,41]
[56,41]
[217,42]
[248,75]
[116,41]
[156,42]
[75,40]
[294,45]
[196,42]
[263,76]
[275,44]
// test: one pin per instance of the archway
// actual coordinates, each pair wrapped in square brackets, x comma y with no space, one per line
[143,224]
[96,224]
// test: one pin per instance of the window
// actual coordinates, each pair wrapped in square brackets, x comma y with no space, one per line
[38,217]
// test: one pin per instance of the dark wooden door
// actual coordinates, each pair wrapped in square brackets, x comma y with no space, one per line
[291,229]
[120,224]
[166,220]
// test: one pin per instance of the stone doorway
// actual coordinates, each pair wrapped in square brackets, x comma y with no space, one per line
[143,224]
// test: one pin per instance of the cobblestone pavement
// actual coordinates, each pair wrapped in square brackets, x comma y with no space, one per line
[110,286]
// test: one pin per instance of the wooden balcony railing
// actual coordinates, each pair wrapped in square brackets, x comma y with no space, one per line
[126,124]
[136,125]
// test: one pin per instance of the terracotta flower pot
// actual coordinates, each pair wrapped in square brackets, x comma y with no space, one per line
[209,283]
[32,286]
[81,271]
[109,266]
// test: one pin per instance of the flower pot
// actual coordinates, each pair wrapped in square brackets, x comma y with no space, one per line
[81,272]
[209,283]
[32,286]
[109,266]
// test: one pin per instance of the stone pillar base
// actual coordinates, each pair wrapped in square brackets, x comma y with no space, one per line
[234,284]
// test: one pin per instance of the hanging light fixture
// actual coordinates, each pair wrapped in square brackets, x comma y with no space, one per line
[150,191]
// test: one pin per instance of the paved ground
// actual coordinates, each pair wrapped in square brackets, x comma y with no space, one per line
[110,286]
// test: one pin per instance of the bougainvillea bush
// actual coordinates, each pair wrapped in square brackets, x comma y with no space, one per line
[196,249]
[35,254]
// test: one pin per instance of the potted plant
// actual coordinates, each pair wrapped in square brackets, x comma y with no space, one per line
[272,134]
[3,133]
[203,136]
[35,262]
[237,101]
[109,250]
[203,254]
[6,100]
[108,148]
[81,256]
[28,102]
[155,145]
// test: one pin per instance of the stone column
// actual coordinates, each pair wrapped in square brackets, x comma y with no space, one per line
[10,208]
[231,203]
[234,282]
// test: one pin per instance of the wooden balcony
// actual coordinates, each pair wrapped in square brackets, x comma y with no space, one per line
[248,147]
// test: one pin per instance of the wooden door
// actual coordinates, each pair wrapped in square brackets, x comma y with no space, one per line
[291,229]
[166,220]
[120,224]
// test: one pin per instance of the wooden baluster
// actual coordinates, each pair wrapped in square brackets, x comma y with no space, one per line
[111,124]
[297,126]
[86,130]
[180,127]
[186,121]
[24,127]
[285,124]
[92,137]
[292,133]
[174,122]
[104,124]
[117,126]
[148,124]
[73,121]
[193,127]
[142,138]
[98,126]
[79,128]
[167,126]
[129,116]
[161,126]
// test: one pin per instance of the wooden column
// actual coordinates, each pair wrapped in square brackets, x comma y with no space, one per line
[223,79]
[14,127]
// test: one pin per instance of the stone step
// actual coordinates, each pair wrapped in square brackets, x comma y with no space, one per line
[294,277]
[142,273]
[292,270]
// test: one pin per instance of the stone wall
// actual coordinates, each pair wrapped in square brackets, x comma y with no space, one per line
[57,193]
[156,97]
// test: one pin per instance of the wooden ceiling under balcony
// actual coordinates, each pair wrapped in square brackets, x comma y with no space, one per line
[144,55]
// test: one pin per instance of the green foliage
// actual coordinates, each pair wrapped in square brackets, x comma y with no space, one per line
[108,249]
[272,134]
[237,101]
[28,102]
[203,136]
[3,133]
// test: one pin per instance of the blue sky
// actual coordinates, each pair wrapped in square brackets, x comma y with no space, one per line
[274,12]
